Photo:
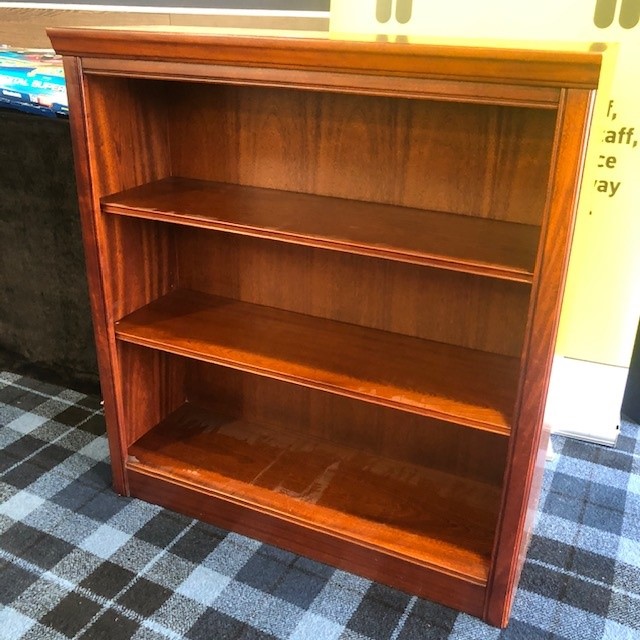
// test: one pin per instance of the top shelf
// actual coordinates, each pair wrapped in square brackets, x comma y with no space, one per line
[506,250]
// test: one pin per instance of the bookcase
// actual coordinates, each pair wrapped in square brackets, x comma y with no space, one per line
[325,278]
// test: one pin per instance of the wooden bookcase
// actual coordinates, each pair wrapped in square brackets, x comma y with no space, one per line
[325,279]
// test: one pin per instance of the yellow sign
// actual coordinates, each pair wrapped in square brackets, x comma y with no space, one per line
[602,299]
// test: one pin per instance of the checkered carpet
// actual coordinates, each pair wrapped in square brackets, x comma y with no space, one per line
[77,561]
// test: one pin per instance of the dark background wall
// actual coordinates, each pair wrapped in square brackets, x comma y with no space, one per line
[45,323]
[631,400]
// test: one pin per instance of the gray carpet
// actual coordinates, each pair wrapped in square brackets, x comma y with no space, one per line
[77,561]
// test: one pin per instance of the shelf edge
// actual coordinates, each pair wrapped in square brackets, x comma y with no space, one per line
[499,429]
[437,262]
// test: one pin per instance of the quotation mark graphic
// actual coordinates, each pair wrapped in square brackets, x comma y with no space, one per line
[606,11]
[603,16]
[403,10]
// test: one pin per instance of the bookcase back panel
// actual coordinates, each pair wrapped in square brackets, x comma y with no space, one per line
[480,160]
[488,161]
[396,435]
[457,308]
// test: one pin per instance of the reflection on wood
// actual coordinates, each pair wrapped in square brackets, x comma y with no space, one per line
[434,516]
[431,378]
[399,233]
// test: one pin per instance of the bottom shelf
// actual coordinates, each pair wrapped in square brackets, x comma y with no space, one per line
[427,517]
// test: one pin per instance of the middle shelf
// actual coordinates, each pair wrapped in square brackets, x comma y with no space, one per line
[456,384]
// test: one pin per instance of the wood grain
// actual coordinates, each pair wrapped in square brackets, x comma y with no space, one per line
[490,314]
[477,160]
[127,133]
[155,387]
[433,379]
[434,518]
[99,164]
[340,396]
[528,446]
[416,236]
[403,573]
[102,324]
[438,89]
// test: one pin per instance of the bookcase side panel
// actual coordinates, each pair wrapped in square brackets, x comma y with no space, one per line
[529,440]
[128,132]
[127,146]
[154,387]
[89,208]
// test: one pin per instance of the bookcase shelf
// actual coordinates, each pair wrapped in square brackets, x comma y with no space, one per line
[325,280]
[398,233]
[435,517]
[452,383]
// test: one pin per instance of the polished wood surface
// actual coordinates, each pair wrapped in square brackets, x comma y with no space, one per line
[326,278]
[532,67]
[470,387]
[398,297]
[105,342]
[127,133]
[301,537]
[155,388]
[478,160]
[346,422]
[397,233]
[430,516]
[431,88]
[528,447]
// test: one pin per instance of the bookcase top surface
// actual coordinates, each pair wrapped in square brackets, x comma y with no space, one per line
[575,65]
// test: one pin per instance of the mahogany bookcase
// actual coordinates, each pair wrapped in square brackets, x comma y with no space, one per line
[325,278]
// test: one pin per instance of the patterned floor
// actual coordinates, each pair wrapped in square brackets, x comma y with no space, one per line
[77,561]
